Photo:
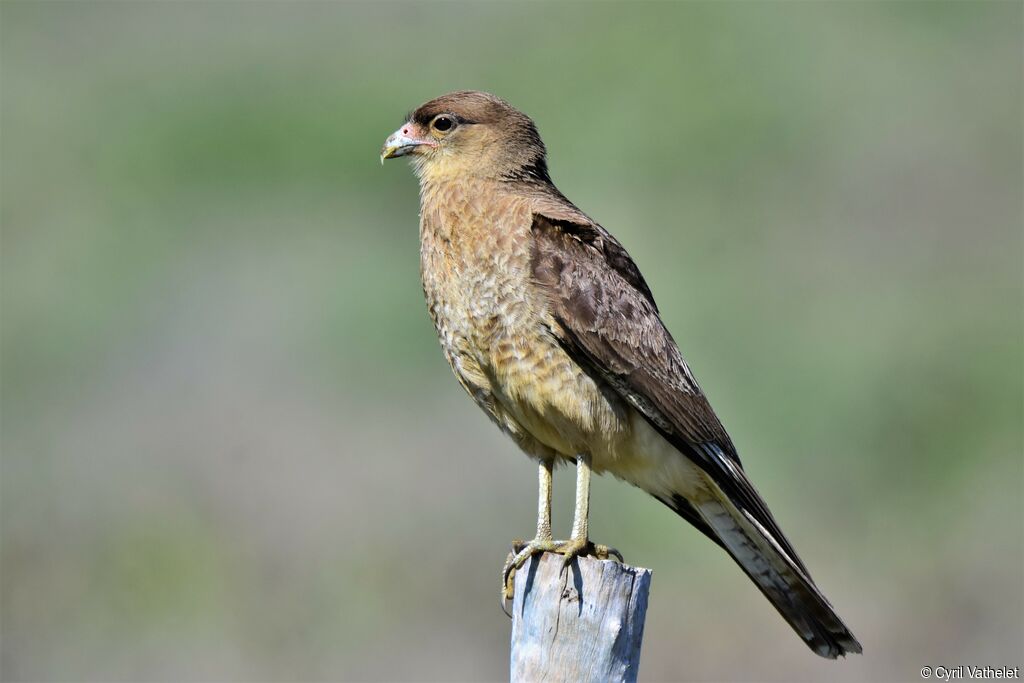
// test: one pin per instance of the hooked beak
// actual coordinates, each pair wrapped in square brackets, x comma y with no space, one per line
[402,142]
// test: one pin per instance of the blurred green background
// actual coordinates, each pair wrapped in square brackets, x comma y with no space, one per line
[232,450]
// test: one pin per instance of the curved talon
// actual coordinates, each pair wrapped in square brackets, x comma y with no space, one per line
[506,593]
[504,600]
[609,552]
[508,571]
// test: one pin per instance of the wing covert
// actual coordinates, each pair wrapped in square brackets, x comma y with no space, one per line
[606,315]
[606,319]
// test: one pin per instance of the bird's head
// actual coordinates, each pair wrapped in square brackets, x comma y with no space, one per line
[469,133]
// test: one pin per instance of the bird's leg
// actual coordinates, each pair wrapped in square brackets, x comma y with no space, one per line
[580,543]
[542,542]
[581,513]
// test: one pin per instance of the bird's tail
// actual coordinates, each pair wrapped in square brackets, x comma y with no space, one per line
[770,562]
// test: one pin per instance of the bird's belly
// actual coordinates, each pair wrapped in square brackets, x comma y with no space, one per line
[561,406]
[556,401]
[523,379]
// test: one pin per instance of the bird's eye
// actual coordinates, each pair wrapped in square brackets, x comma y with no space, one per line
[443,124]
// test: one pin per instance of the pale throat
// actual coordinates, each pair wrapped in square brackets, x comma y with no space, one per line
[476,214]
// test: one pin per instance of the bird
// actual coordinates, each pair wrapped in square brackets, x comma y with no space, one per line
[548,324]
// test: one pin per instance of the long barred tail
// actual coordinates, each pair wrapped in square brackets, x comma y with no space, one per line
[772,564]
[781,578]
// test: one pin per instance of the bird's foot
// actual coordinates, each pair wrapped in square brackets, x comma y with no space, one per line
[522,551]
[517,557]
[578,547]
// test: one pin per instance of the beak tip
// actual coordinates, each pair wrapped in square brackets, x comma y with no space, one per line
[399,144]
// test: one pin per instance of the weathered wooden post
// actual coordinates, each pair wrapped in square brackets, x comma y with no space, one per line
[583,624]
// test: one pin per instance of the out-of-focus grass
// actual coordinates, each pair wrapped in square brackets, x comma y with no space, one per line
[232,451]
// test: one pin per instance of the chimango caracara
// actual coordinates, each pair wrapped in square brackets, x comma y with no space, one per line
[550,327]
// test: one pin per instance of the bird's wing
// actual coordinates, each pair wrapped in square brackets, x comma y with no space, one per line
[605,312]
[605,317]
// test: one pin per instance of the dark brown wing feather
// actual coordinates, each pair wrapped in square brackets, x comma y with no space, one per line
[606,319]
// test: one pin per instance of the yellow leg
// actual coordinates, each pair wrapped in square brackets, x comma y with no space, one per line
[542,542]
[544,501]
[580,543]
[581,513]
